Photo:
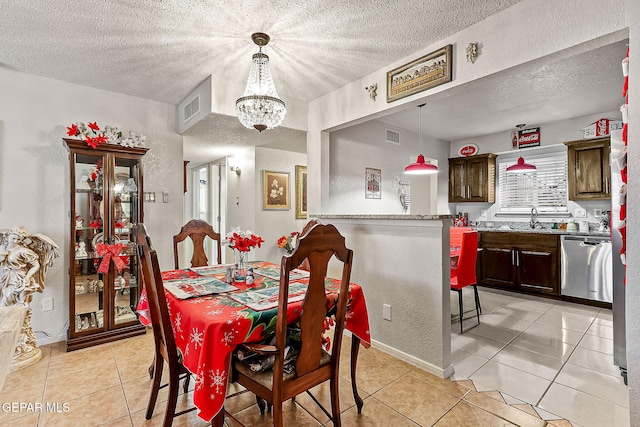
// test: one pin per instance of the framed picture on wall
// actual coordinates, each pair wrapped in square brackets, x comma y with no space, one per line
[275,190]
[301,192]
[373,180]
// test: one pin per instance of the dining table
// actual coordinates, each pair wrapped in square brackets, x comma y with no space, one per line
[208,328]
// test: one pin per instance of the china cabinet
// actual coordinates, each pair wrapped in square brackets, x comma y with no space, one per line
[105,202]
[589,169]
[472,179]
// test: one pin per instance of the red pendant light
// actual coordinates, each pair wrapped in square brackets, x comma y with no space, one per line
[521,167]
[420,167]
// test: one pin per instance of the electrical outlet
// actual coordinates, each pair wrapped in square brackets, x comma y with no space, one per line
[597,213]
[386,311]
[581,213]
[47,304]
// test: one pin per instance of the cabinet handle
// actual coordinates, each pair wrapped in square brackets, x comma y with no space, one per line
[606,185]
[462,191]
[513,257]
[468,191]
[517,258]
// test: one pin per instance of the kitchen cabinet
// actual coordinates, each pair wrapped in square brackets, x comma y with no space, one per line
[526,262]
[472,179]
[589,169]
[105,202]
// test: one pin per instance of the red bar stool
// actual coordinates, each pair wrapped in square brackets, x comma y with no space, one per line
[463,272]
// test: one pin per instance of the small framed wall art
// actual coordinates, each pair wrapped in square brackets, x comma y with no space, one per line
[301,192]
[424,73]
[373,180]
[275,190]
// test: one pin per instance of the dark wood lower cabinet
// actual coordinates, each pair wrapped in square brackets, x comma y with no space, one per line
[527,262]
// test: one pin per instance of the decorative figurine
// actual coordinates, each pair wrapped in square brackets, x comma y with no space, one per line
[472,52]
[372,91]
[24,260]
[249,278]
[81,250]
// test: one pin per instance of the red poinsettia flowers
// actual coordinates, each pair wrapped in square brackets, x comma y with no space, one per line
[242,240]
[91,133]
[95,224]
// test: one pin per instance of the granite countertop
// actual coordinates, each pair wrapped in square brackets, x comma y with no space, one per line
[381,216]
[547,231]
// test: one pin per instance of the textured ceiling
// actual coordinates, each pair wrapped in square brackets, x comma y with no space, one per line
[162,50]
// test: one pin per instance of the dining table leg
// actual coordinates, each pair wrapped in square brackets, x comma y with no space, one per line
[355,347]
[218,420]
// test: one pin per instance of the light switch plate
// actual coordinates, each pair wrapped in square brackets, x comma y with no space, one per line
[386,311]
[581,213]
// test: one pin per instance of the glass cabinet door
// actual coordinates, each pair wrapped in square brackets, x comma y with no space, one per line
[88,213]
[126,212]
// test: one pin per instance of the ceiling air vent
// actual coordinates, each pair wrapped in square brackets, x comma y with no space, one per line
[393,137]
[192,108]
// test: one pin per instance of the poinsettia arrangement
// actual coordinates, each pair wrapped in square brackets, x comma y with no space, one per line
[95,224]
[94,136]
[242,240]
[288,242]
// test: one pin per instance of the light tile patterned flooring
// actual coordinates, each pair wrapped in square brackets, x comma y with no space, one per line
[108,385]
[554,355]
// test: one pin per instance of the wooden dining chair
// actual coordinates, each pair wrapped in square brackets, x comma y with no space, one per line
[463,271]
[197,230]
[305,229]
[314,365]
[165,345]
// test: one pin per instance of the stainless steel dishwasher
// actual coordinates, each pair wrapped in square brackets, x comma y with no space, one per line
[587,268]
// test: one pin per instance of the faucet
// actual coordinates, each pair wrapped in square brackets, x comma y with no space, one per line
[534,223]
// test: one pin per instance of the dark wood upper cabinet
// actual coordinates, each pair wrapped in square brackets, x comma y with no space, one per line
[472,179]
[589,169]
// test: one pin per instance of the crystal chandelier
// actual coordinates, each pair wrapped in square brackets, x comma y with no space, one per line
[260,107]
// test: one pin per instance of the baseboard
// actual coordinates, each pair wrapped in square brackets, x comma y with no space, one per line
[50,340]
[412,360]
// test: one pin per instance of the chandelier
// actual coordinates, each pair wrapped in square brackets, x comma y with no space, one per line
[260,107]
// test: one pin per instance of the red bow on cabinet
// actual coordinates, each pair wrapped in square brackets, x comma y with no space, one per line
[108,253]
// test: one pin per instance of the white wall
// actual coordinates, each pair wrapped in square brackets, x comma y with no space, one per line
[271,224]
[361,146]
[420,327]
[34,183]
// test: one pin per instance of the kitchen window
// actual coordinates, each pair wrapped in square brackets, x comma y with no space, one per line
[545,188]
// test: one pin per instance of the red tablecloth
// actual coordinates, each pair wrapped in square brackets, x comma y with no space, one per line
[208,329]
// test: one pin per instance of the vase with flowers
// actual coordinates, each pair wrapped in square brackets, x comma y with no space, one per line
[288,241]
[241,242]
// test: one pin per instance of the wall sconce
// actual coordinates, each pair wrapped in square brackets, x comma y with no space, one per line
[234,165]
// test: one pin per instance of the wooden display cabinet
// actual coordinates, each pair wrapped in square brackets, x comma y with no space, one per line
[589,169]
[472,179]
[105,202]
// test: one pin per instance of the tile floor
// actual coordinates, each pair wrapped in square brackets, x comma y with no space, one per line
[554,355]
[108,385]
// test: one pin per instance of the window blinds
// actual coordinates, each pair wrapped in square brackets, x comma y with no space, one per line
[545,188]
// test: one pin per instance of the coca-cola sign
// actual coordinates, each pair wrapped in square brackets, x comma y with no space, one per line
[468,150]
[529,137]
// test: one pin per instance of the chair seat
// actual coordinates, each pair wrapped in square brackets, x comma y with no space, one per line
[455,285]
[265,378]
